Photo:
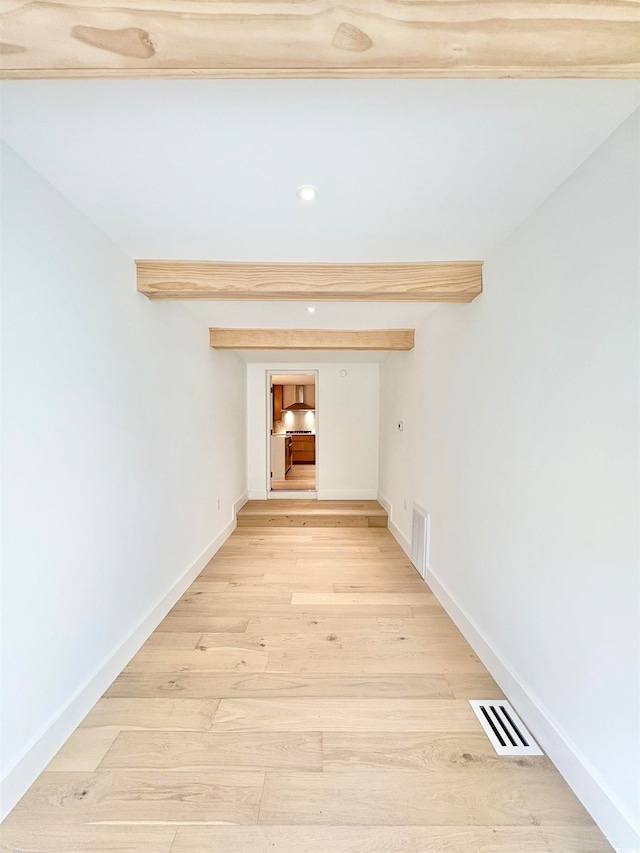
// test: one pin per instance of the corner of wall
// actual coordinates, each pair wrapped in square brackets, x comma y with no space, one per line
[395,531]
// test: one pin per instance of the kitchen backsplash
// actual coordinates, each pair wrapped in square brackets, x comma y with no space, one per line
[296,421]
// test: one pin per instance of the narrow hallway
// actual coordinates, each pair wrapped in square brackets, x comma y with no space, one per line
[307,679]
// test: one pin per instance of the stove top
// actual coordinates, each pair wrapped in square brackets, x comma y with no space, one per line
[299,432]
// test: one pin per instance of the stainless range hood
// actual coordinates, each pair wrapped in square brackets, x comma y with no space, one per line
[300,405]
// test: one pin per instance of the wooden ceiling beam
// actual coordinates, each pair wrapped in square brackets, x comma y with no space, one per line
[313,339]
[424,282]
[320,38]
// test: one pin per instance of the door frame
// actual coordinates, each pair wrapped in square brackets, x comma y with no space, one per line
[302,494]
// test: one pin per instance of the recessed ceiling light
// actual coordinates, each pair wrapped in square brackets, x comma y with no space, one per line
[311,310]
[307,193]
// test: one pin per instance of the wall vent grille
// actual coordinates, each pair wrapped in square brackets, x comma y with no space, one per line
[504,728]
[420,540]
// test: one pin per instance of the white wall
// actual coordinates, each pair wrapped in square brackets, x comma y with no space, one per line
[521,438]
[347,413]
[121,430]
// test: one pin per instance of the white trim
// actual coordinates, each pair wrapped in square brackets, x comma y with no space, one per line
[583,779]
[400,538]
[42,748]
[239,504]
[347,495]
[257,494]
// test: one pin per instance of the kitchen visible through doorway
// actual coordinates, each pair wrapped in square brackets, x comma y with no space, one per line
[293,433]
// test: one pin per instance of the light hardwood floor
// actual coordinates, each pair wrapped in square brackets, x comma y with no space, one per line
[307,694]
[298,477]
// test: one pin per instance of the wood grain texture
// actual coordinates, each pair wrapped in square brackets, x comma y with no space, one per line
[153,713]
[388,839]
[315,339]
[139,796]
[395,797]
[353,715]
[84,750]
[23,834]
[280,685]
[216,751]
[188,752]
[429,751]
[367,38]
[459,281]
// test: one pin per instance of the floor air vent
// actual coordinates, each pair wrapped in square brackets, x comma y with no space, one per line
[504,728]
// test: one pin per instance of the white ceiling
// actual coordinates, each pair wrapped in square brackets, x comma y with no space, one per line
[407,170]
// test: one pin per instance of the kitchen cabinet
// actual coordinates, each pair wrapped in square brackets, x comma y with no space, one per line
[277,402]
[304,449]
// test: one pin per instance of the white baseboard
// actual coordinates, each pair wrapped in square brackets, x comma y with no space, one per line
[38,753]
[239,504]
[347,495]
[395,531]
[582,778]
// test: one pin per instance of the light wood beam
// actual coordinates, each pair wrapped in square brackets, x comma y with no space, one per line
[321,38]
[424,282]
[315,339]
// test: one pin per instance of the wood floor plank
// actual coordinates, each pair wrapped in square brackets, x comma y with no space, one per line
[575,839]
[431,751]
[350,646]
[21,836]
[440,626]
[354,715]
[176,640]
[373,839]
[473,685]
[248,608]
[84,750]
[168,714]
[294,584]
[133,796]
[201,599]
[393,797]
[196,751]
[217,660]
[212,624]
[346,599]
[380,664]
[265,685]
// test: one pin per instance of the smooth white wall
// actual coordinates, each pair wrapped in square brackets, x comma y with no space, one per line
[121,430]
[348,411]
[521,418]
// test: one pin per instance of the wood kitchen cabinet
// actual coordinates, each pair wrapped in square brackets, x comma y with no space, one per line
[303,449]
[277,402]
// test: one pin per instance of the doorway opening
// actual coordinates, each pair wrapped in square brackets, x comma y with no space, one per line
[293,433]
